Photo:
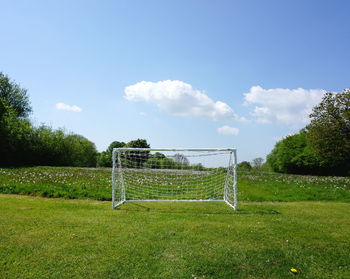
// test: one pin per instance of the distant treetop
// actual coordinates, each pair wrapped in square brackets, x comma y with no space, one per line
[14,97]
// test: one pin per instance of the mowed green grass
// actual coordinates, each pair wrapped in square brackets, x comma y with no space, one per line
[58,238]
[85,183]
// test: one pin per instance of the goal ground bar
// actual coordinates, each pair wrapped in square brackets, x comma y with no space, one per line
[174,201]
[140,201]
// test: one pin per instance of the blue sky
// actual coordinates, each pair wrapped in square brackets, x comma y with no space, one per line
[178,73]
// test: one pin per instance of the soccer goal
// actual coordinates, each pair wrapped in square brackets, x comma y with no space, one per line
[174,175]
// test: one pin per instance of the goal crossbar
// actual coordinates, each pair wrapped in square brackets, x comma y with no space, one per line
[138,175]
[175,149]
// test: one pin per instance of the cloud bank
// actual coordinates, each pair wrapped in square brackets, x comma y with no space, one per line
[227,130]
[179,98]
[287,106]
[63,106]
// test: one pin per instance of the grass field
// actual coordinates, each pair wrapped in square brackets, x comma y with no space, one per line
[283,222]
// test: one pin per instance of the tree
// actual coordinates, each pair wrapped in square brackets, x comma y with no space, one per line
[82,151]
[15,140]
[158,155]
[167,163]
[57,148]
[137,158]
[257,162]
[15,130]
[153,163]
[3,108]
[104,158]
[198,167]
[14,97]
[329,132]
[293,155]
[181,159]
[115,144]
[134,159]
[244,166]
[139,143]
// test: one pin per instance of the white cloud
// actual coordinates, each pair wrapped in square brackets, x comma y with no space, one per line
[286,106]
[227,130]
[179,98]
[63,106]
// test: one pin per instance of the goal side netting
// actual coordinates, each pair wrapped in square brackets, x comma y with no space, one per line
[174,175]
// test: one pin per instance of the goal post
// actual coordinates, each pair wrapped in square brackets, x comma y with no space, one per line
[174,175]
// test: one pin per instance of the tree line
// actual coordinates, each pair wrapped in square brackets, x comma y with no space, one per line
[139,159]
[323,146]
[23,144]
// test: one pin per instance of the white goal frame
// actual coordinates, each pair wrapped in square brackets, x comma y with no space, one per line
[229,184]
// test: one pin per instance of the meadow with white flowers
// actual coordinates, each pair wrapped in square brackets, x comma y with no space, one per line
[91,183]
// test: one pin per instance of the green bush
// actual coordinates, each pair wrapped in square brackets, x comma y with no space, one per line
[244,166]
[198,167]
[293,155]
[104,159]
[152,163]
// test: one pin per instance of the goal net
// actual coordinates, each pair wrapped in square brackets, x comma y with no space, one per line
[174,175]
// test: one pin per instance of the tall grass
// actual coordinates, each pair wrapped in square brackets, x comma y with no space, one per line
[88,183]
